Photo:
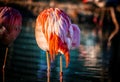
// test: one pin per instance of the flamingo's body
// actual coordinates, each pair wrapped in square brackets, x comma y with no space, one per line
[10,24]
[55,33]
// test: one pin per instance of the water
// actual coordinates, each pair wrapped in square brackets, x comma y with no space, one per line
[27,62]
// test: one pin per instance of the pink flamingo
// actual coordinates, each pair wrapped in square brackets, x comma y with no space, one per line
[55,34]
[10,26]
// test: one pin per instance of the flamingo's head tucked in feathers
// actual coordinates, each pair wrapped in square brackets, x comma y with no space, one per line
[54,32]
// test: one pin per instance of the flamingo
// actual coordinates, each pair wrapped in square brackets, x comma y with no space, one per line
[55,34]
[10,27]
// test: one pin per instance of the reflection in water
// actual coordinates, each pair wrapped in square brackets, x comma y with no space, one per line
[90,50]
[27,63]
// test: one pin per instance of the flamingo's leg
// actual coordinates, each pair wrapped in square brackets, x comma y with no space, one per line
[3,69]
[61,72]
[48,67]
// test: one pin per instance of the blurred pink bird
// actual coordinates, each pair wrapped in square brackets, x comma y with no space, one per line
[10,24]
[10,27]
[55,34]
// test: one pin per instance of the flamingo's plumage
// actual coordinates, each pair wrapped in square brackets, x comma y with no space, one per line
[76,36]
[10,24]
[54,32]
